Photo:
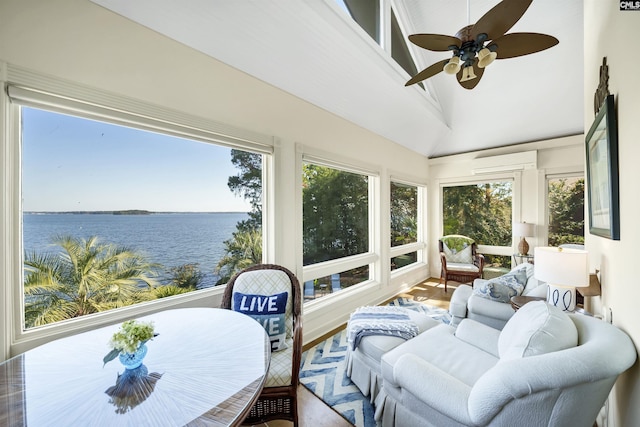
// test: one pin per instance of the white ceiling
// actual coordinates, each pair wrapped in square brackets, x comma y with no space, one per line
[313,50]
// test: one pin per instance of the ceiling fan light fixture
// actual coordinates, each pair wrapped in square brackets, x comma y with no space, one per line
[468,74]
[453,66]
[486,57]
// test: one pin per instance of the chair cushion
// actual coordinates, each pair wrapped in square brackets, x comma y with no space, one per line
[267,283]
[536,328]
[502,288]
[280,367]
[456,266]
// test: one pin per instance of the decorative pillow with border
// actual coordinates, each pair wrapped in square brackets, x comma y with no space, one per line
[504,287]
[269,311]
[462,255]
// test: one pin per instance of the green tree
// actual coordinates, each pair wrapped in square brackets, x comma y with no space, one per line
[404,214]
[248,184]
[244,249]
[566,211]
[85,277]
[245,246]
[335,214]
[186,276]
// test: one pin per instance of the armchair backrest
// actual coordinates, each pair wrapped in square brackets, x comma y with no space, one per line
[458,248]
[267,280]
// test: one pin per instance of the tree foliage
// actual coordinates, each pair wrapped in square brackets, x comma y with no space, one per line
[404,214]
[186,276]
[248,184]
[245,246]
[335,213]
[85,277]
[566,211]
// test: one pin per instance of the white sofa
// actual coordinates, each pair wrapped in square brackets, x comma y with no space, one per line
[363,363]
[545,368]
[467,304]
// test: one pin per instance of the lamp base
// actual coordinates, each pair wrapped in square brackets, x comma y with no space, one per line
[523,247]
[563,297]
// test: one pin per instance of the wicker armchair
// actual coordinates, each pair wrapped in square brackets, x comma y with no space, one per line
[278,399]
[459,259]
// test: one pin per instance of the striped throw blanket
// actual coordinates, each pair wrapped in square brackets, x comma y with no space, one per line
[385,320]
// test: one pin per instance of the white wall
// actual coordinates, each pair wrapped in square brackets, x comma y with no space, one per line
[610,32]
[555,156]
[80,42]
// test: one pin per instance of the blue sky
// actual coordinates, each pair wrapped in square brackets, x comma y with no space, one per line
[70,163]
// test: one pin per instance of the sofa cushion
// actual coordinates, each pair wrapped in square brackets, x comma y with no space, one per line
[502,288]
[536,328]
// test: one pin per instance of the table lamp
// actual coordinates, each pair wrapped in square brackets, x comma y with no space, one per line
[563,270]
[523,229]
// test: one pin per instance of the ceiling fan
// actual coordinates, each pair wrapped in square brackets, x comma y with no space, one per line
[476,46]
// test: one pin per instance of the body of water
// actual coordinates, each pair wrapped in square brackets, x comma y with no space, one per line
[171,239]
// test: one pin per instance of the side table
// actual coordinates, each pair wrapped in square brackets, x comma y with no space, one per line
[523,258]
[520,300]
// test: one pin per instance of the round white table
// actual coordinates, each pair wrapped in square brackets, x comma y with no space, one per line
[206,367]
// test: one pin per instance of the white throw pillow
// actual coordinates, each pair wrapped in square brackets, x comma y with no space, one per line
[536,328]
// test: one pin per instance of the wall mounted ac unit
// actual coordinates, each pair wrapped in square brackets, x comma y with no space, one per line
[505,163]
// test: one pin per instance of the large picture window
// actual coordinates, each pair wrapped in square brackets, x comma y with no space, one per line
[405,230]
[565,197]
[482,211]
[336,228]
[116,215]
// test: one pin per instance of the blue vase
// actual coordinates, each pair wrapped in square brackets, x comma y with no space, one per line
[133,360]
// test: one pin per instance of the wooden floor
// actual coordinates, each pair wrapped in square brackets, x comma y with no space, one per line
[313,411]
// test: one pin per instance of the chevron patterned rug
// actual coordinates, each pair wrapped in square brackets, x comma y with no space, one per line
[323,371]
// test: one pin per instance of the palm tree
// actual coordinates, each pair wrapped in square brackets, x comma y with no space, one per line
[85,277]
[243,250]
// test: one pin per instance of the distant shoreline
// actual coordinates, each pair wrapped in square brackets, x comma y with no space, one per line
[123,212]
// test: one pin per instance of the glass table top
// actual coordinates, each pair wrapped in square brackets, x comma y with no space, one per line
[206,367]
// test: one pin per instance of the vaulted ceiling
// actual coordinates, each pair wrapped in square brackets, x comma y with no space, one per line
[315,51]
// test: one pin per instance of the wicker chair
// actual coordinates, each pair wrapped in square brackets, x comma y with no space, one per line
[278,399]
[461,265]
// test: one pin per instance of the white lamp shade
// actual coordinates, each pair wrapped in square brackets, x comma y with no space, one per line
[523,229]
[562,266]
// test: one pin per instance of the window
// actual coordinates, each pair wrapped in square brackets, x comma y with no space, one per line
[336,222]
[565,197]
[371,16]
[481,211]
[405,232]
[145,215]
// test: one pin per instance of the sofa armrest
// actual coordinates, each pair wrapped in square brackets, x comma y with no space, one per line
[479,335]
[433,386]
[459,299]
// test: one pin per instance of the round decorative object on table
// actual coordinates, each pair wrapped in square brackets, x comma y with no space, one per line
[133,360]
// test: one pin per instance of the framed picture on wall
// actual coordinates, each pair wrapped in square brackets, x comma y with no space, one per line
[602,173]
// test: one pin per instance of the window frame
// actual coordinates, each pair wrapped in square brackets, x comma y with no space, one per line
[68,98]
[516,205]
[420,244]
[555,176]
[371,257]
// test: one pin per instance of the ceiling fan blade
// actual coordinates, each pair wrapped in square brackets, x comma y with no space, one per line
[519,44]
[435,42]
[501,18]
[430,71]
[470,84]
